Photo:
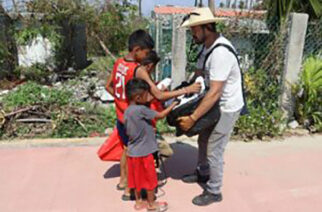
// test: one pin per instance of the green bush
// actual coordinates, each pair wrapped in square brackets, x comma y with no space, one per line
[31,93]
[27,34]
[309,95]
[93,119]
[37,72]
[264,116]
[100,64]
[69,118]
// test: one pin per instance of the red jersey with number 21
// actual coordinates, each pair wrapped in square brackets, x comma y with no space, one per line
[123,71]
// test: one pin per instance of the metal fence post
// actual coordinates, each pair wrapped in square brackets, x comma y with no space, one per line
[293,61]
[179,60]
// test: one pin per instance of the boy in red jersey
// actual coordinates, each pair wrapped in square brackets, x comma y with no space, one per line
[140,44]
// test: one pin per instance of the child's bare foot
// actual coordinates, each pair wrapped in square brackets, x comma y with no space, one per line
[129,194]
[120,187]
[158,207]
[140,205]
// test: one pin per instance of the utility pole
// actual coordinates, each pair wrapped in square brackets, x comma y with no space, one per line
[140,8]
[211,5]
[200,3]
[228,3]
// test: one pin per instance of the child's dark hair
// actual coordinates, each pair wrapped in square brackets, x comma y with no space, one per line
[141,39]
[134,87]
[151,58]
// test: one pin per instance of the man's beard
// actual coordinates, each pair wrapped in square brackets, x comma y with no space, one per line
[199,41]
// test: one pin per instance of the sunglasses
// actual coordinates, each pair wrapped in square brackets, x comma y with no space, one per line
[188,16]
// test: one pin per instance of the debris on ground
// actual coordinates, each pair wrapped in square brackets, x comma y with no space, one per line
[66,109]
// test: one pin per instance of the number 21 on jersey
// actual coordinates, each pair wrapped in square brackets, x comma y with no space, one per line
[120,86]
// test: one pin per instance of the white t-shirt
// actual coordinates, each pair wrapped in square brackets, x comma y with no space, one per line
[222,65]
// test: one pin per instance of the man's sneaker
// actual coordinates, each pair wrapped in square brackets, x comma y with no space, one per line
[206,198]
[195,178]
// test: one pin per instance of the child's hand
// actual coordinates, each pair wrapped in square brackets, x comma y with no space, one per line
[174,103]
[194,88]
[163,88]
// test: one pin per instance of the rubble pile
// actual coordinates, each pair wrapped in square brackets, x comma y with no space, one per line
[86,111]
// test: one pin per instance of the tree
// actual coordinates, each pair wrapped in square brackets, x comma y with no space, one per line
[241,5]
[15,6]
[247,1]
[278,11]
[228,3]
[234,5]
[221,5]
[259,5]
[198,3]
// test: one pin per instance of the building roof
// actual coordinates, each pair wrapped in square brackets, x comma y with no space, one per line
[219,12]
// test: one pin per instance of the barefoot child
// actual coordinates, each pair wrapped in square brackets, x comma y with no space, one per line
[142,144]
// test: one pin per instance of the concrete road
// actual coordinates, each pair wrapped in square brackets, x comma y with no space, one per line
[63,176]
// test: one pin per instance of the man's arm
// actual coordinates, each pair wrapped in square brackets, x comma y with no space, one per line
[221,65]
[212,96]
[158,94]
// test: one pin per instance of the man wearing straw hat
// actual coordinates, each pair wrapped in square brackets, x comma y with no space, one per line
[219,65]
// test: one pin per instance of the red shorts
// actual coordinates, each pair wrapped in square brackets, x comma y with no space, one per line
[141,173]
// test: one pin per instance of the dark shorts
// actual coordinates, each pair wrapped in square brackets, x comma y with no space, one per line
[141,173]
[122,132]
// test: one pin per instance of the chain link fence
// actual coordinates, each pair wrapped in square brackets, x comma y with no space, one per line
[257,46]
[261,46]
[161,31]
[313,39]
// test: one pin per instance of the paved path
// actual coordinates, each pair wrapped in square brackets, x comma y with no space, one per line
[275,176]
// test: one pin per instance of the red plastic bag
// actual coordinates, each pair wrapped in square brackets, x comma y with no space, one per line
[112,148]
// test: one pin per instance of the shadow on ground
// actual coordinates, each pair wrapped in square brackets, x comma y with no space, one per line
[182,162]
[112,172]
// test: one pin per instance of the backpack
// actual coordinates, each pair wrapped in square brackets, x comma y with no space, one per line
[212,116]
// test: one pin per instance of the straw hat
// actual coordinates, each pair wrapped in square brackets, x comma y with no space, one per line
[200,16]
